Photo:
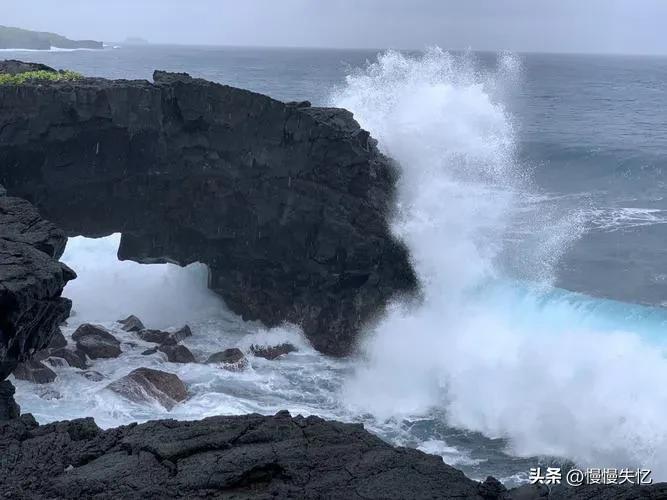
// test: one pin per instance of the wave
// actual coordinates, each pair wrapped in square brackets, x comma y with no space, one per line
[492,344]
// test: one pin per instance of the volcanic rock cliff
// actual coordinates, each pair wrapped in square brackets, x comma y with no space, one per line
[31,282]
[287,204]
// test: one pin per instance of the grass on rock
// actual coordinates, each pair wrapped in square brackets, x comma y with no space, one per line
[39,76]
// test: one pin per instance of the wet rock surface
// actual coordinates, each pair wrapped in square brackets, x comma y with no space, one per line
[250,456]
[96,342]
[35,372]
[74,358]
[230,359]
[31,282]
[132,324]
[177,354]
[286,204]
[272,352]
[165,338]
[145,385]
[9,409]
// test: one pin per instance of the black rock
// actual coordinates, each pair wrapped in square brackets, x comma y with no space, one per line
[96,342]
[9,409]
[58,341]
[177,353]
[74,358]
[13,67]
[286,204]
[247,457]
[132,324]
[145,385]
[233,355]
[149,352]
[34,371]
[31,282]
[272,352]
[92,375]
[165,338]
[50,394]
[231,359]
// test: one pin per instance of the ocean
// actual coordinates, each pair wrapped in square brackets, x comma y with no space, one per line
[532,199]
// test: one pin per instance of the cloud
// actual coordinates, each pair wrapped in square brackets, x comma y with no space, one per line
[520,25]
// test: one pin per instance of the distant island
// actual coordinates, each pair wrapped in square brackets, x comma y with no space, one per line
[135,40]
[17,38]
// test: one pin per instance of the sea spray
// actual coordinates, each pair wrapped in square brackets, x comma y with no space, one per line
[489,345]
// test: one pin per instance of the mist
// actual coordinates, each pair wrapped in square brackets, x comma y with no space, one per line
[594,26]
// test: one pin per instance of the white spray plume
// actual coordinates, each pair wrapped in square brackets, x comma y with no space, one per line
[500,356]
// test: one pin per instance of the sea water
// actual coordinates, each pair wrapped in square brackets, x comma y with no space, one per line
[532,201]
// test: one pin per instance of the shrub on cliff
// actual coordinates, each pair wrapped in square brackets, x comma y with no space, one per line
[50,76]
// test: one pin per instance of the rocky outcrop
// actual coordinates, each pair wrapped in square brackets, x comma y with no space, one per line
[9,410]
[31,282]
[287,204]
[249,457]
[221,457]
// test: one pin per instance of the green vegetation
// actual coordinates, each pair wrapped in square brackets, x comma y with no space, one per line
[46,76]
[16,38]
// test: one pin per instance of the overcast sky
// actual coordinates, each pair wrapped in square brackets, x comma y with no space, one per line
[616,26]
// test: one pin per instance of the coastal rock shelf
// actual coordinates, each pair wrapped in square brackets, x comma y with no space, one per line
[287,204]
[250,456]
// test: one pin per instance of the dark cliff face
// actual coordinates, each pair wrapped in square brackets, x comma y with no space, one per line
[285,203]
[31,282]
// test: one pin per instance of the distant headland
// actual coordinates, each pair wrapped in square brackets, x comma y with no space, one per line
[17,38]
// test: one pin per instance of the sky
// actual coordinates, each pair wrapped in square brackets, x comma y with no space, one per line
[589,26]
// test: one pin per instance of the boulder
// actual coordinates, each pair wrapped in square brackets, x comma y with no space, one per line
[92,375]
[73,358]
[96,342]
[231,359]
[149,352]
[177,354]
[145,385]
[132,324]
[286,204]
[34,371]
[272,352]
[165,338]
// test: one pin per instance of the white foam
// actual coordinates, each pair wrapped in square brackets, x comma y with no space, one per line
[107,290]
[552,378]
